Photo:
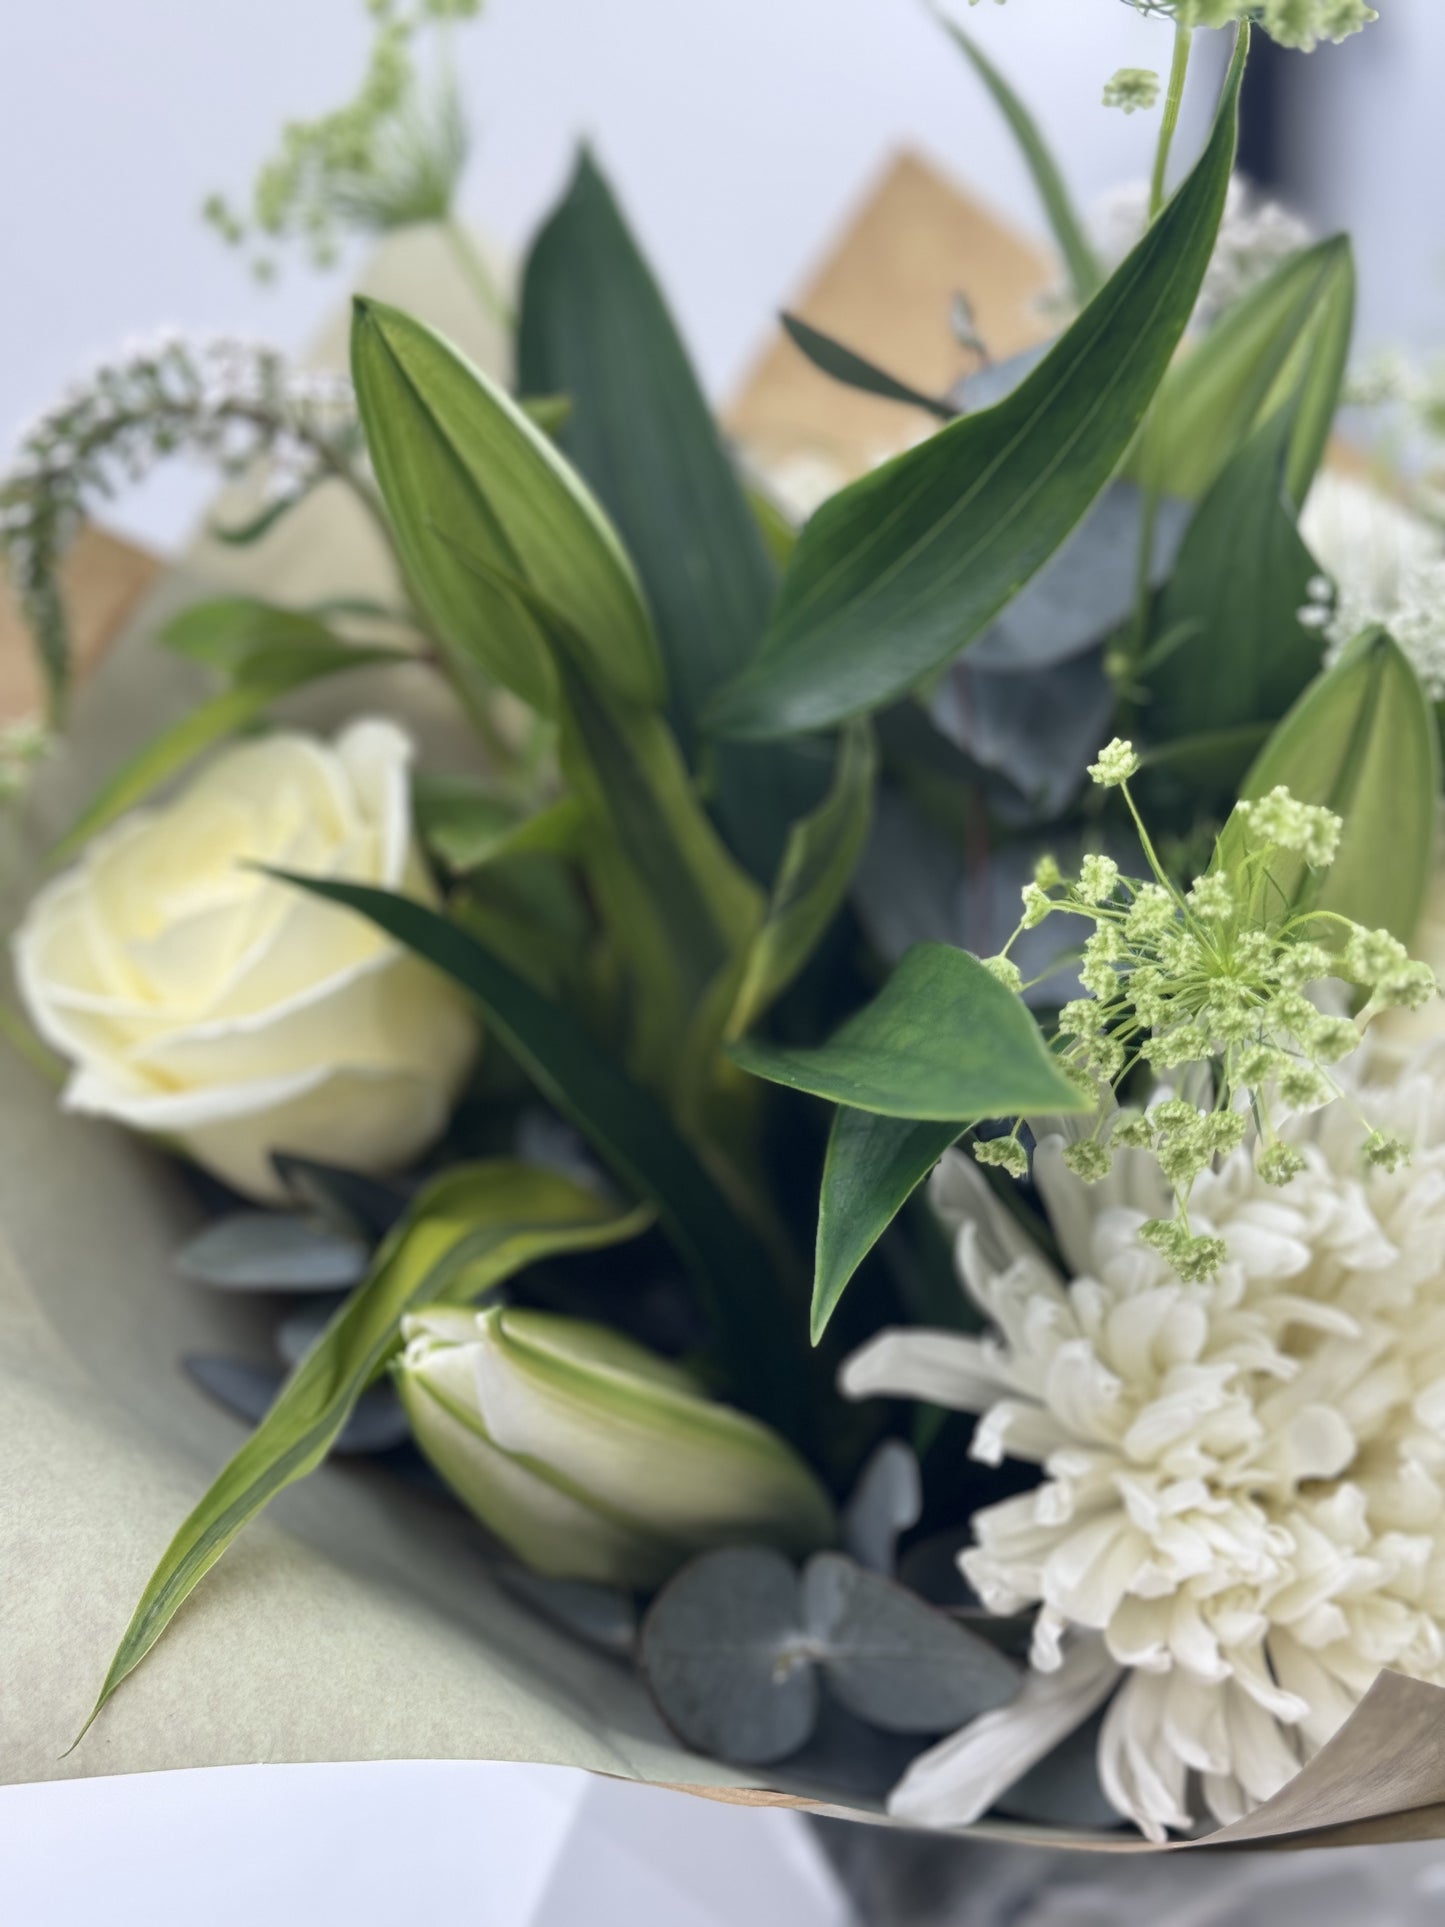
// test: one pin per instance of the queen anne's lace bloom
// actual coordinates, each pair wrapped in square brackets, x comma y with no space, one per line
[1241,1515]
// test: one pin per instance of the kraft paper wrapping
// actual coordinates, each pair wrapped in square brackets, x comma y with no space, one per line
[357,1619]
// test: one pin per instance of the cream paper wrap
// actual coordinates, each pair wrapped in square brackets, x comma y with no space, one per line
[356,1620]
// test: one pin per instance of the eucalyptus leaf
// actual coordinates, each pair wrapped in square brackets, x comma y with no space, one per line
[855,371]
[1067,228]
[376,1422]
[724,1656]
[812,885]
[1362,741]
[942,1040]
[631,1134]
[893,1660]
[1089,587]
[465,1234]
[902,569]
[1035,735]
[454,454]
[264,674]
[886,1502]
[1284,344]
[352,1203]
[272,1251]
[874,1165]
[1241,654]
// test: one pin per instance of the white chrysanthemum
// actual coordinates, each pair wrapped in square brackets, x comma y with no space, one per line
[1241,1519]
[1387,566]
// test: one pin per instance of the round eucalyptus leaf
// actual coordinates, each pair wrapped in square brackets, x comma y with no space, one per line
[350,1203]
[893,1660]
[886,1501]
[272,1251]
[725,1658]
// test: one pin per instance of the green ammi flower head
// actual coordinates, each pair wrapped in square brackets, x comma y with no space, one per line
[1293,23]
[1215,977]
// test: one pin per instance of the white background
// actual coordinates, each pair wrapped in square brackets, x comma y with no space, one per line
[739,132]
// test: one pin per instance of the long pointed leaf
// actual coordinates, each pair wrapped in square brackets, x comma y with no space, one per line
[1068,229]
[902,569]
[812,884]
[630,1131]
[942,1040]
[1361,740]
[595,325]
[855,371]
[465,1234]
[873,1167]
[1283,344]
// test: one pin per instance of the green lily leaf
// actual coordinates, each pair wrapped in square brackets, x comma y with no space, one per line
[855,371]
[1286,343]
[1362,741]
[1239,653]
[1067,228]
[942,1040]
[873,1167]
[453,453]
[466,1233]
[902,569]
[594,323]
[595,326]
[264,671]
[812,884]
[630,1132]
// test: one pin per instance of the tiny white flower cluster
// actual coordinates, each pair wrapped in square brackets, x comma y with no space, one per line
[1255,235]
[233,402]
[1132,89]
[1381,565]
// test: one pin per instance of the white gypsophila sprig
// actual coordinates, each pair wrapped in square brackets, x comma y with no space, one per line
[1218,978]
[1255,235]
[1240,1519]
[233,402]
[1382,565]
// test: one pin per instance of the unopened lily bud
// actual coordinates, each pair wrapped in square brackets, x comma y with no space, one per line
[590,1457]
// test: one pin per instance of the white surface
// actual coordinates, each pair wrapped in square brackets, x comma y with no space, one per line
[487,1846]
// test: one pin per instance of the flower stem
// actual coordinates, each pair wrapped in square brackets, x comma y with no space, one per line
[477,274]
[1173,101]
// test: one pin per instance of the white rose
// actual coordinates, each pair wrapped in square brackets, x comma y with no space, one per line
[199,999]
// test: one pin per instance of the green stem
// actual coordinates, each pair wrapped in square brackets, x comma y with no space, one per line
[477,274]
[1173,101]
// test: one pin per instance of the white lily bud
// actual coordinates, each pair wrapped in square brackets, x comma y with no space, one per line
[590,1457]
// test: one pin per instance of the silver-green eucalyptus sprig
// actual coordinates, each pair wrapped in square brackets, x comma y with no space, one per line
[1215,978]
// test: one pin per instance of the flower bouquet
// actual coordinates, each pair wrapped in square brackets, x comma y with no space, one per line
[830,1135]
